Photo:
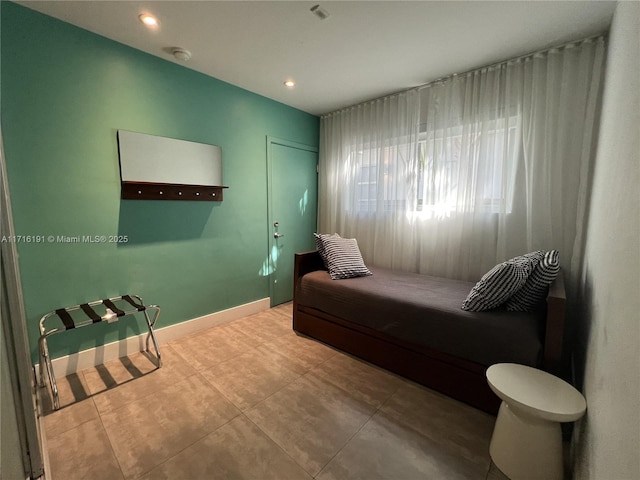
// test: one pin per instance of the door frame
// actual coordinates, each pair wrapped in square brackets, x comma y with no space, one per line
[271,141]
[13,330]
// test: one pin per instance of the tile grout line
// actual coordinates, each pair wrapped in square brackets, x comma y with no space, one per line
[307,372]
[186,446]
[106,432]
[278,444]
[243,412]
[115,387]
[189,445]
[181,379]
[359,429]
[266,434]
[51,437]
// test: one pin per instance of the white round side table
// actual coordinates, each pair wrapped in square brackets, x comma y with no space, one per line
[527,438]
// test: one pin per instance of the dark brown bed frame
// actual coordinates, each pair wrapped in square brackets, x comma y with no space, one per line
[458,378]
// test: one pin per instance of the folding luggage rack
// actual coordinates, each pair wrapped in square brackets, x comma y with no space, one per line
[127,305]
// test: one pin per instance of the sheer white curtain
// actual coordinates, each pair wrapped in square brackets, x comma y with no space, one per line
[451,178]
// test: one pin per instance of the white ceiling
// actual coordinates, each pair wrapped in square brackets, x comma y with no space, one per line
[365,49]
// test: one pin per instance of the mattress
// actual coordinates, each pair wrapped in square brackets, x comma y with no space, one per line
[426,311]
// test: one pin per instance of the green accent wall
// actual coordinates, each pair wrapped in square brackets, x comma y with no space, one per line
[65,92]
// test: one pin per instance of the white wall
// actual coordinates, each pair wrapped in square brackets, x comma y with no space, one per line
[607,441]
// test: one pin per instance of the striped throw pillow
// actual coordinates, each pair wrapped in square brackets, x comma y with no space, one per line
[534,291]
[343,258]
[319,239]
[498,284]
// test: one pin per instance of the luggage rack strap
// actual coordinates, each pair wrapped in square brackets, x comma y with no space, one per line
[113,308]
[88,309]
[91,313]
[66,318]
[133,303]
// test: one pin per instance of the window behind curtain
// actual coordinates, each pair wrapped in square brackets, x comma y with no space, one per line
[449,159]
[381,179]
[434,183]
[453,177]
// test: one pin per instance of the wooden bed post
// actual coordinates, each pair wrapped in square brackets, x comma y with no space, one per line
[554,327]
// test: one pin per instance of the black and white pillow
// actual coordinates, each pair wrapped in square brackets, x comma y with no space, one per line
[535,288]
[498,284]
[343,258]
[319,239]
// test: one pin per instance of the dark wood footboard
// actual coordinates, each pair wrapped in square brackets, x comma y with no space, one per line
[455,377]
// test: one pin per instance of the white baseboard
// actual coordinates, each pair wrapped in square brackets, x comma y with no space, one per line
[92,357]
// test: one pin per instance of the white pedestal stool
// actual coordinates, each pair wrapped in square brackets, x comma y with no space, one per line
[527,439]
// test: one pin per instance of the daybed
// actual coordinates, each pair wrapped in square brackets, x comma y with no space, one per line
[413,325]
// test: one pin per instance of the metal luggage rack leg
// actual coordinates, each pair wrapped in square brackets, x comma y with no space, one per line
[112,314]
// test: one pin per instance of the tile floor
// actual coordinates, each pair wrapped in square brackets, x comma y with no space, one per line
[251,399]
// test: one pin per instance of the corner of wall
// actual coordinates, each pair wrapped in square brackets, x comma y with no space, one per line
[606,441]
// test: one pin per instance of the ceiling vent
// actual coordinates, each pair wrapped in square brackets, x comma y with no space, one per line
[319,12]
[181,53]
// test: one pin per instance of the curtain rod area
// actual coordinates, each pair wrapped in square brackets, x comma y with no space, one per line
[600,36]
[510,60]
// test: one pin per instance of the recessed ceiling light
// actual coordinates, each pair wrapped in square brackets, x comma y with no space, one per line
[148,19]
[289,84]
